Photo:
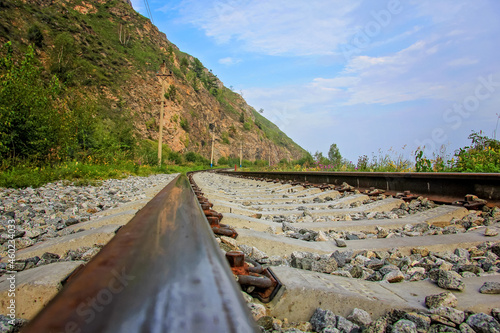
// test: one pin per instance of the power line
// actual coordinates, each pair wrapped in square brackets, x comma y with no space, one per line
[149,11]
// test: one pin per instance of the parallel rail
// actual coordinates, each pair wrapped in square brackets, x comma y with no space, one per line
[440,187]
[162,272]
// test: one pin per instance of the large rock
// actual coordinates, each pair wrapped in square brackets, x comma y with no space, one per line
[490,288]
[450,280]
[455,316]
[443,299]
[482,323]
[360,317]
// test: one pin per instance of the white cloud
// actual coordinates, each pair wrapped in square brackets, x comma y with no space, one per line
[276,27]
[229,61]
[466,61]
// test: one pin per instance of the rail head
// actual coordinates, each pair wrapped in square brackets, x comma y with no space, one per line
[162,272]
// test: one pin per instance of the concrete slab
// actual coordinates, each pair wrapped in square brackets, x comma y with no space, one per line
[61,245]
[288,205]
[385,205]
[306,290]
[119,218]
[284,246]
[441,213]
[35,287]
[441,216]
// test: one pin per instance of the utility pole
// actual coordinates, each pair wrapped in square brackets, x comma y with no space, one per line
[269,154]
[162,76]
[241,152]
[212,127]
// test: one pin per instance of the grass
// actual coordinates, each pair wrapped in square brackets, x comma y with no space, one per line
[85,173]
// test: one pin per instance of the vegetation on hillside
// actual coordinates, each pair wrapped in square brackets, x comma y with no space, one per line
[62,103]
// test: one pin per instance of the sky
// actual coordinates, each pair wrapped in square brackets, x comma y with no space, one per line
[373,77]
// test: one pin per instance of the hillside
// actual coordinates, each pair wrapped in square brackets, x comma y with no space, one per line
[107,56]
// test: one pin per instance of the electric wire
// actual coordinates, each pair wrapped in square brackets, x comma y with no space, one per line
[148,9]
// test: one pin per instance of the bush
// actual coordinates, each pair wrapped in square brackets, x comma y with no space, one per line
[191,157]
[482,156]
[223,161]
[35,36]
[184,124]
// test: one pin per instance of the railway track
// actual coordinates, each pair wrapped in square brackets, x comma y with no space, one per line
[327,246]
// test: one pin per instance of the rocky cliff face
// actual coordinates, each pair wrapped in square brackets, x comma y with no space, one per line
[123,52]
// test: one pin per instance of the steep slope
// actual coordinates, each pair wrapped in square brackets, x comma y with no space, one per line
[106,49]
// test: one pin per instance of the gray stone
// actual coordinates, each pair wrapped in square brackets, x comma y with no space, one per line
[482,323]
[450,280]
[465,328]
[324,265]
[456,316]
[422,322]
[462,253]
[374,264]
[404,326]
[439,328]
[436,319]
[356,271]
[360,317]
[495,312]
[490,288]
[340,242]
[330,329]
[490,232]
[322,318]
[394,276]
[342,257]
[342,273]
[388,268]
[443,299]
[378,326]
[6,327]
[345,326]
[266,322]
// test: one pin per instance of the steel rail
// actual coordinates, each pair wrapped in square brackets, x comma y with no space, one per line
[162,272]
[438,186]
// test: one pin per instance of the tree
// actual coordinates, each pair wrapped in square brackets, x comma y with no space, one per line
[334,154]
[319,158]
[32,118]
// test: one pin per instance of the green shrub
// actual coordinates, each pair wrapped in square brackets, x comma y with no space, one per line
[184,124]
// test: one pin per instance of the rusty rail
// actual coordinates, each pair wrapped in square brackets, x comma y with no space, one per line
[162,272]
[438,186]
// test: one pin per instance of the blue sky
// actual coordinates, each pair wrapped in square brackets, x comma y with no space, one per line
[366,75]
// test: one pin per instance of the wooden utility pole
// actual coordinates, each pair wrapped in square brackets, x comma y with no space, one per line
[269,154]
[162,76]
[241,152]
[212,154]
[211,127]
